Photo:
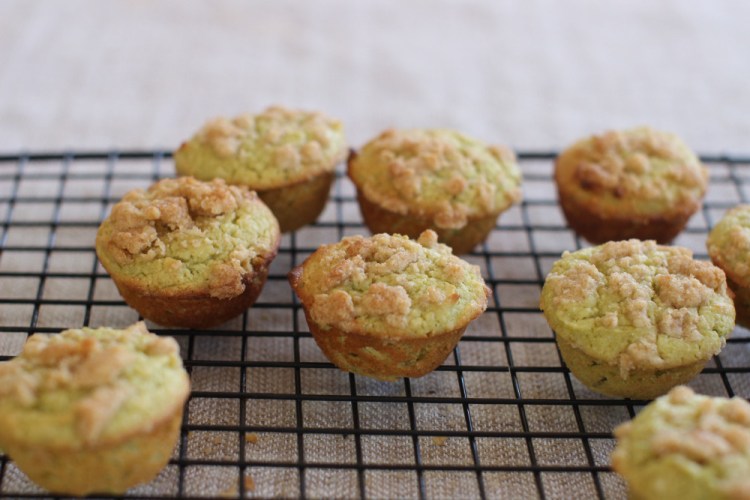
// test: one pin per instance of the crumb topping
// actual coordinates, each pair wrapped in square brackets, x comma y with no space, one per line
[260,150]
[729,244]
[642,304]
[390,283]
[641,164]
[189,229]
[712,433]
[88,371]
[438,173]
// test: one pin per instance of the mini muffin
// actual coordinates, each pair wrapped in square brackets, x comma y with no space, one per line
[387,306]
[636,183]
[729,247]
[92,410]
[189,253]
[411,180]
[287,156]
[686,446]
[633,318]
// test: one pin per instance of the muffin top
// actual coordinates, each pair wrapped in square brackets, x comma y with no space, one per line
[90,386]
[272,149]
[704,438]
[183,235]
[390,286]
[729,244]
[438,174]
[639,305]
[640,171]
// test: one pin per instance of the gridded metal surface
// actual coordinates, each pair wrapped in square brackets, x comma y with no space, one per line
[501,418]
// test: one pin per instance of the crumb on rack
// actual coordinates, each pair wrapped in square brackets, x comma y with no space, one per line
[251,437]
[249,483]
[230,492]
[439,440]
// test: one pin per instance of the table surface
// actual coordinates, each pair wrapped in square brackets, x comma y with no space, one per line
[532,75]
[87,74]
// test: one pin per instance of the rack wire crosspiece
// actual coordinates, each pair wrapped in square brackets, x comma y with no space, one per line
[501,418]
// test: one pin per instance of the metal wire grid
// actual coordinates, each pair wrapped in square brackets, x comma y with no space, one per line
[501,418]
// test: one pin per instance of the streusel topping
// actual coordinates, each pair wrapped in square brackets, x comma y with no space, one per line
[186,231]
[264,150]
[391,285]
[711,433]
[437,173]
[729,244]
[84,377]
[638,304]
[642,167]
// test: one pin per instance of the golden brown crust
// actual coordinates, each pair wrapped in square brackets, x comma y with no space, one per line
[598,228]
[299,204]
[109,467]
[196,310]
[741,301]
[607,379]
[728,246]
[382,358]
[463,240]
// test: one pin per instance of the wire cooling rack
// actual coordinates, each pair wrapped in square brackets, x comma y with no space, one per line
[269,416]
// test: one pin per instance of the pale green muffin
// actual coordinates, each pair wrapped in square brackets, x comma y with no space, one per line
[189,253]
[634,183]
[287,156]
[92,410]
[411,180]
[686,446]
[388,306]
[633,318]
[729,247]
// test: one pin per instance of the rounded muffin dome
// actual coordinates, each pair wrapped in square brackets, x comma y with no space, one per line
[686,445]
[189,253]
[409,181]
[634,183]
[388,306]
[93,410]
[626,313]
[436,173]
[277,147]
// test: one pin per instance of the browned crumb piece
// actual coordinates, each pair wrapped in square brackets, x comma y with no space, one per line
[142,218]
[249,483]
[439,440]
[251,438]
[229,492]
